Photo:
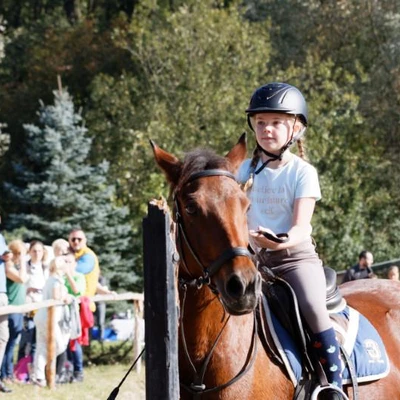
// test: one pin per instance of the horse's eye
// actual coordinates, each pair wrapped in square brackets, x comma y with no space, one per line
[191,208]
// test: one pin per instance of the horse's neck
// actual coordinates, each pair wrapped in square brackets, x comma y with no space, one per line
[201,304]
[203,320]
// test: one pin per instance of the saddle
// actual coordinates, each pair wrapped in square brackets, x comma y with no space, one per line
[282,302]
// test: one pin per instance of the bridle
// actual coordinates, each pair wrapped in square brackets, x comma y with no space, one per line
[181,237]
[197,387]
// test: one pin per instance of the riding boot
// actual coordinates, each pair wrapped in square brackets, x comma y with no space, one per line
[327,350]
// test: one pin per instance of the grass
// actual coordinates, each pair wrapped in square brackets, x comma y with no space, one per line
[98,384]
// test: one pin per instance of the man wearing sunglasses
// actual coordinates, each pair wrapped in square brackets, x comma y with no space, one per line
[87,263]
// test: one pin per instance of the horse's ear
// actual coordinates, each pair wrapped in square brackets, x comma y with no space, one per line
[170,165]
[238,152]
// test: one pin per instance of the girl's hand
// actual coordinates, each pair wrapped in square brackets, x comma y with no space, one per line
[68,298]
[7,256]
[266,238]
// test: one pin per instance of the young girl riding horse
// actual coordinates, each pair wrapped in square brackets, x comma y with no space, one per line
[283,189]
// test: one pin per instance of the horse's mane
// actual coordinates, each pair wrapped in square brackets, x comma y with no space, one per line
[199,160]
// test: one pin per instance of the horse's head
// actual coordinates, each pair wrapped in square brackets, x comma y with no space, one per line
[212,237]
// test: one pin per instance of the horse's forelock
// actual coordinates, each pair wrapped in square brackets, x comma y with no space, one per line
[200,160]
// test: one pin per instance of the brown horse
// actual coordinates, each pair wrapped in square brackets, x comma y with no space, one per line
[220,353]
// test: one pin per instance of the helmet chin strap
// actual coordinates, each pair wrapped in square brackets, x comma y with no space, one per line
[274,157]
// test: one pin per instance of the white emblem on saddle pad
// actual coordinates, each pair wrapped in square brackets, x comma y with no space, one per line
[373,351]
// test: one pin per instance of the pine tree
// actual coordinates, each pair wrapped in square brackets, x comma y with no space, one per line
[4,140]
[57,190]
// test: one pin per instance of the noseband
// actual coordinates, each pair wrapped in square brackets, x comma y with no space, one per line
[228,254]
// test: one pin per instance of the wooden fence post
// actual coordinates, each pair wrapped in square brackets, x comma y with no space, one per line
[161,309]
[51,347]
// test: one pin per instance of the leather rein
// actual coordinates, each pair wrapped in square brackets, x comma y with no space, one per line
[197,387]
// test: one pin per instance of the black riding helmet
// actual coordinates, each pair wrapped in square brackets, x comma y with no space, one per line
[280,98]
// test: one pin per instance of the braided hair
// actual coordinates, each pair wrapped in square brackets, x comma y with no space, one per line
[257,155]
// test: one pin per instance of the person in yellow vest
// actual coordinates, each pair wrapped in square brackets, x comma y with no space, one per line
[87,263]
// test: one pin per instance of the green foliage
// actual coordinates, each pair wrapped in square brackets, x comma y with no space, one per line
[4,140]
[197,67]
[23,13]
[38,54]
[181,73]
[193,72]
[58,190]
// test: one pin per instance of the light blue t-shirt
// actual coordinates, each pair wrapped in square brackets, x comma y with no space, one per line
[274,192]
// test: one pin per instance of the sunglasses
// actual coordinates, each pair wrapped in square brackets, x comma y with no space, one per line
[76,239]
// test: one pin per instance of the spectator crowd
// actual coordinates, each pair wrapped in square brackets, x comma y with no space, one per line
[28,275]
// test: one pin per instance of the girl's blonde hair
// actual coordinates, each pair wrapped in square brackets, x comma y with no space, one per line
[57,265]
[17,246]
[60,246]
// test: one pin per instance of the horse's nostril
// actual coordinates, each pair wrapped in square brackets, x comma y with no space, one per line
[235,287]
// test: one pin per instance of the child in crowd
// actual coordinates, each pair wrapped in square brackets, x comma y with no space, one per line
[53,289]
[75,283]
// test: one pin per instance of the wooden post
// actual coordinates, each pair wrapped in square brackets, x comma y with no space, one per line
[161,309]
[51,347]
[137,338]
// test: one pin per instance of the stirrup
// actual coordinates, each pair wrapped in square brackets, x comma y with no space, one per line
[320,388]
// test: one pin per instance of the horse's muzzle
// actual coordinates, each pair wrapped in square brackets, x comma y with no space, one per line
[239,295]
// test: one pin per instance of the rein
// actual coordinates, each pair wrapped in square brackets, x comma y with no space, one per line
[198,388]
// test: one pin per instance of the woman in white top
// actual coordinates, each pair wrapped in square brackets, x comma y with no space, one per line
[37,271]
